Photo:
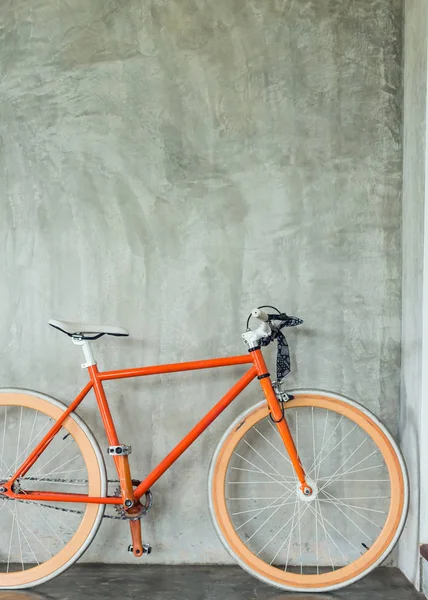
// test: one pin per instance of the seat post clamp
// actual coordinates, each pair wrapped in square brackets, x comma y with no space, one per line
[121,450]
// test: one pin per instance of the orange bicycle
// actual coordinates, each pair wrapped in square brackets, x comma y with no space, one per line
[307,489]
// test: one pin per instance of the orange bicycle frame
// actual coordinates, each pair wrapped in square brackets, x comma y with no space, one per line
[258,369]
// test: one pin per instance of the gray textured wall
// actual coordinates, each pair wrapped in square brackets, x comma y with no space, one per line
[167,165]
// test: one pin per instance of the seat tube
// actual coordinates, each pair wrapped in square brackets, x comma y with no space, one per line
[121,462]
[278,417]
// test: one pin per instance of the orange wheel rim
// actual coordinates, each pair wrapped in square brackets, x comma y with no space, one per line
[341,575]
[56,563]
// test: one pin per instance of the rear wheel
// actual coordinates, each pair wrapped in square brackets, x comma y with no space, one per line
[344,529]
[41,539]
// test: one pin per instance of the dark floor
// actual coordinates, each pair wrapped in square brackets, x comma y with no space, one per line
[126,582]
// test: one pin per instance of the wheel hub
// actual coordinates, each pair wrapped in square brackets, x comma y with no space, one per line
[16,488]
[308,497]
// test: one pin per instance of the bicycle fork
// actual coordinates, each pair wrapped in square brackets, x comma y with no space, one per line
[277,415]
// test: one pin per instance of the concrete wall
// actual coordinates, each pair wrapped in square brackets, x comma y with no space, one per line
[414,417]
[169,165]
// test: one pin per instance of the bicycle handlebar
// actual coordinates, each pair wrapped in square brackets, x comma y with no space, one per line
[260,314]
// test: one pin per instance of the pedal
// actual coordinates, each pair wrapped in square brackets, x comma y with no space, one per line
[147,549]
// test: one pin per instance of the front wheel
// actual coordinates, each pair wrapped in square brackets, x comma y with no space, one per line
[343,530]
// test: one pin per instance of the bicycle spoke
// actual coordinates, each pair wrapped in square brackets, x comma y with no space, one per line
[258,510]
[336,504]
[15,465]
[56,514]
[33,534]
[290,535]
[316,540]
[365,498]
[65,472]
[48,524]
[279,530]
[37,538]
[341,534]
[356,471]
[334,477]
[6,471]
[55,470]
[251,498]
[258,454]
[258,472]
[293,528]
[10,538]
[333,498]
[383,512]
[322,441]
[348,459]
[273,446]
[333,449]
[347,560]
[261,471]
[266,521]
[19,435]
[53,458]
[262,510]
[318,505]
[252,482]
[365,480]
[326,444]
[30,437]
[28,543]
[19,535]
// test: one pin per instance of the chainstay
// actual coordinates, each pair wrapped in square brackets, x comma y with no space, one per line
[70,510]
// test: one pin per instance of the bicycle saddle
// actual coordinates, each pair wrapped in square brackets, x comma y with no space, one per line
[83,329]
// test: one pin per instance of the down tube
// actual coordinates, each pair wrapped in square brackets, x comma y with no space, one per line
[195,432]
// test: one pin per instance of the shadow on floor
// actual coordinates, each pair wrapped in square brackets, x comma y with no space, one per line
[158,582]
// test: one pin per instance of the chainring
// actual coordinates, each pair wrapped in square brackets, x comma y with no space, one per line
[144,507]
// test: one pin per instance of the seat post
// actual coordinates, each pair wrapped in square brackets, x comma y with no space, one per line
[87,351]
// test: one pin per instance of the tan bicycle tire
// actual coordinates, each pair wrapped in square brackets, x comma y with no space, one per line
[295,581]
[93,515]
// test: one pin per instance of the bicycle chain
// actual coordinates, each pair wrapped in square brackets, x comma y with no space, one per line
[121,517]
